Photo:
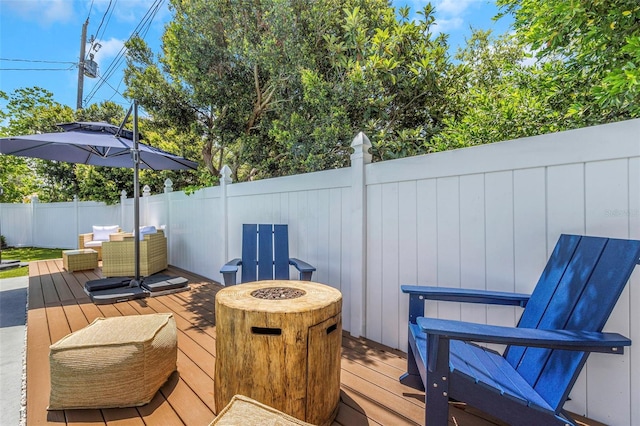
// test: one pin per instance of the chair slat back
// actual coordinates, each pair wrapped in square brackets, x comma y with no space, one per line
[577,291]
[281,252]
[249,253]
[265,252]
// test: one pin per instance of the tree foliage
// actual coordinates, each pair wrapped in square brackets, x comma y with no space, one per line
[33,110]
[501,94]
[278,87]
[28,111]
[599,43]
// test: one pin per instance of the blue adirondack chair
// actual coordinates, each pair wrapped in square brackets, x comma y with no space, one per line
[265,256]
[561,324]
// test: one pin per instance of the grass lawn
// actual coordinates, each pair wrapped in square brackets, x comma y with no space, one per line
[26,254]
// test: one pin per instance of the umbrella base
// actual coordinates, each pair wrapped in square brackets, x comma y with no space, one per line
[120,289]
[115,295]
[9,264]
[106,284]
[158,285]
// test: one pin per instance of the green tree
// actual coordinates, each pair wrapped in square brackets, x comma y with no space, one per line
[599,43]
[106,183]
[282,86]
[16,179]
[27,111]
[499,93]
[377,71]
[33,110]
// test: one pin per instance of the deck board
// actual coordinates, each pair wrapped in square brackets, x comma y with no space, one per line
[370,391]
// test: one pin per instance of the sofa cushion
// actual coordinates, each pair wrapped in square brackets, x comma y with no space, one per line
[147,230]
[101,233]
[93,243]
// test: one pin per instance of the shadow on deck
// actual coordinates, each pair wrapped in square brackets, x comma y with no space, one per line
[370,391]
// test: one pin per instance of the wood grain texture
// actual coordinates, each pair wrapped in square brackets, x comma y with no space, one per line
[370,394]
[283,353]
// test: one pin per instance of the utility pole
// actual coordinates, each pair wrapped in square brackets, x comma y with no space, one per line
[83,43]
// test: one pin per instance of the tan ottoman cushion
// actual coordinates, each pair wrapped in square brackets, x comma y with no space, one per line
[242,410]
[113,362]
[78,260]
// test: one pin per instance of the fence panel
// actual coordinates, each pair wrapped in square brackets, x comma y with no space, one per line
[16,224]
[194,231]
[482,217]
[489,218]
[49,219]
[92,213]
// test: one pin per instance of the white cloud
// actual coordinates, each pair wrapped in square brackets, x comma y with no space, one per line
[109,49]
[454,8]
[446,25]
[128,11]
[45,12]
[450,14]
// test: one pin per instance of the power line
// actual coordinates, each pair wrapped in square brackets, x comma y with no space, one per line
[37,69]
[104,15]
[37,61]
[114,88]
[141,28]
[108,19]
[115,64]
[90,9]
[30,61]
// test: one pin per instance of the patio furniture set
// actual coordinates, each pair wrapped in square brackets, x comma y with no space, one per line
[289,333]
[116,250]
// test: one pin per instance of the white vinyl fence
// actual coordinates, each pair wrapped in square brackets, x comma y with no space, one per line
[483,217]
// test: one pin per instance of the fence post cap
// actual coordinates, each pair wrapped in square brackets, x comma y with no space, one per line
[225,174]
[361,146]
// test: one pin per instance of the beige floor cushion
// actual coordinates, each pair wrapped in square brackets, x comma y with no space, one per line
[113,362]
[243,410]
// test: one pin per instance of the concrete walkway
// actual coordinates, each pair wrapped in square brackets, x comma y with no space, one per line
[13,301]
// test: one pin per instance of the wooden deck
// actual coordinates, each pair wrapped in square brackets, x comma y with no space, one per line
[370,391]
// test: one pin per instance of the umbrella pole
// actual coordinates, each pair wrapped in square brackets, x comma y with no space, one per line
[135,153]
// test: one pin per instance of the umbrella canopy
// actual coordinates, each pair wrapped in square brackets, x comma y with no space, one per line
[99,144]
[94,144]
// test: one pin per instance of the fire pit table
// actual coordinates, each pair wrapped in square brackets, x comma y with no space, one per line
[279,342]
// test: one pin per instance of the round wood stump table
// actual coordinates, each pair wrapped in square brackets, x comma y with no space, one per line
[279,342]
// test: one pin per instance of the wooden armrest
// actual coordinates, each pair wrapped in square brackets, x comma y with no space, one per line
[450,294]
[306,270]
[301,265]
[119,236]
[231,266]
[86,237]
[418,294]
[155,236]
[229,271]
[575,340]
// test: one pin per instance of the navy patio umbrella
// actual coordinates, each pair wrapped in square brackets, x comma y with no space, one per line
[99,144]
[95,144]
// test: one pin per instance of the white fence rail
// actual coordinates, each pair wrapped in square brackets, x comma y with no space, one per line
[482,217]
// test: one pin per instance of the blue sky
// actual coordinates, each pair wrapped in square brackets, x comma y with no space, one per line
[40,39]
